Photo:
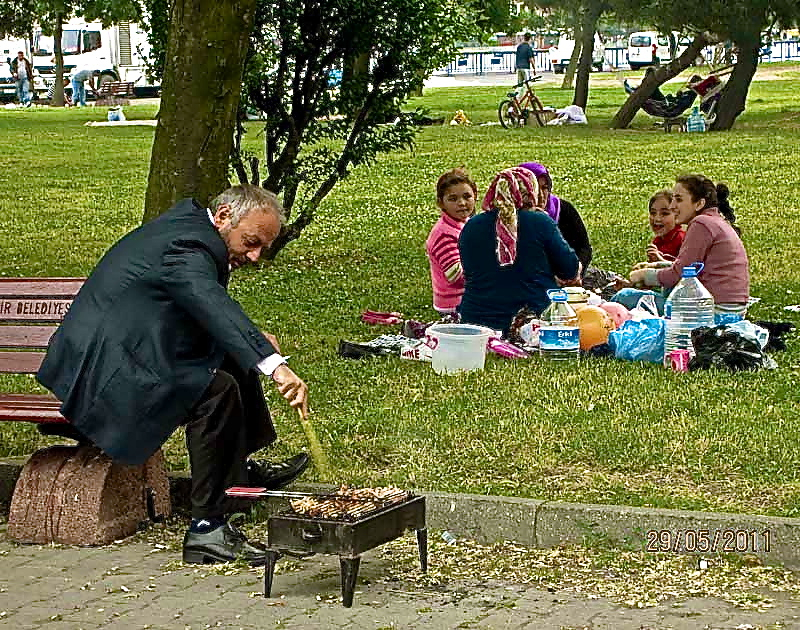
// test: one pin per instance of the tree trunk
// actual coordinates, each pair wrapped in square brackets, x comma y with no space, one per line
[654,79]
[591,14]
[208,40]
[569,73]
[58,88]
[734,94]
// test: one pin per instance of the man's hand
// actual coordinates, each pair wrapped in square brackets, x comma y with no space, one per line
[291,387]
[273,340]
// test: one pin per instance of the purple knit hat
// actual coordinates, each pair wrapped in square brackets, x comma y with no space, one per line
[553,207]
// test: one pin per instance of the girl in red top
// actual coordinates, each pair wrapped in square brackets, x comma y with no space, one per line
[664,223]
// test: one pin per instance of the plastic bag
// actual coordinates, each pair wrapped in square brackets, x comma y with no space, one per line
[751,331]
[632,300]
[724,348]
[639,340]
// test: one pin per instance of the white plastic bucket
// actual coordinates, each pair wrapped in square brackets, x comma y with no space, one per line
[457,347]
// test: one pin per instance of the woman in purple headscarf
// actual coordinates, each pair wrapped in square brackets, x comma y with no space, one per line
[564,214]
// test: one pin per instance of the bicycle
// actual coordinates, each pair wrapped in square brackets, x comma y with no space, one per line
[514,111]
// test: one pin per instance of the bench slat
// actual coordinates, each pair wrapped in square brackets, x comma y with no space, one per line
[42,416]
[20,362]
[33,309]
[64,288]
[31,400]
[30,408]
[25,336]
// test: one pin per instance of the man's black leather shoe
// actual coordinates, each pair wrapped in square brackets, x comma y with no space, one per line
[223,544]
[276,476]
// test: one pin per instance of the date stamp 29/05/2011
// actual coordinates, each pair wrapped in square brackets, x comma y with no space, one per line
[708,540]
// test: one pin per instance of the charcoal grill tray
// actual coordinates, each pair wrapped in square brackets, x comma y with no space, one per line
[294,533]
[347,518]
[291,531]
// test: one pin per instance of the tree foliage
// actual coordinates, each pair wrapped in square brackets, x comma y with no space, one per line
[317,132]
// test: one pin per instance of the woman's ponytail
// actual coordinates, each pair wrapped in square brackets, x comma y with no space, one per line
[724,206]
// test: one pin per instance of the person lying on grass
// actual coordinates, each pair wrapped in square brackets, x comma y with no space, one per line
[712,239]
[455,196]
[512,253]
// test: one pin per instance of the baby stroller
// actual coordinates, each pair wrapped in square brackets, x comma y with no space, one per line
[672,106]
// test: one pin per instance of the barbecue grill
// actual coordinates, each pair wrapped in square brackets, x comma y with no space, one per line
[345,523]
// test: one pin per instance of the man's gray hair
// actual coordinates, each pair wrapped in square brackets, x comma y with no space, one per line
[245,198]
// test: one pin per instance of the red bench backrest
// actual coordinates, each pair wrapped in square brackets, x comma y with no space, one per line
[30,310]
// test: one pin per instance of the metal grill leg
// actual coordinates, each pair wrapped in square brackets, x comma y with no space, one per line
[422,546]
[349,577]
[269,570]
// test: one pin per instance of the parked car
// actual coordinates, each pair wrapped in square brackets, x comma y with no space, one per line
[560,53]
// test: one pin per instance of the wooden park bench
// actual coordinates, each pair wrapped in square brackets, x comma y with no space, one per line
[114,92]
[65,494]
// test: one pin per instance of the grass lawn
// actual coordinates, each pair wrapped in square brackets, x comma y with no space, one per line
[600,431]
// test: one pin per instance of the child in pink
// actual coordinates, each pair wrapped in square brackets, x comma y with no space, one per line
[455,196]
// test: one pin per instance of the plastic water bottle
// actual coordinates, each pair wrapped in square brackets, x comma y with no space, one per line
[688,306]
[696,120]
[559,335]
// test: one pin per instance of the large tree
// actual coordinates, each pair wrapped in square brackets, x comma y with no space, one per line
[318,128]
[591,10]
[653,80]
[741,21]
[205,55]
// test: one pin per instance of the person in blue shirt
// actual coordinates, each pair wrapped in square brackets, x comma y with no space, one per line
[78,77]
[512,253]
[525,57]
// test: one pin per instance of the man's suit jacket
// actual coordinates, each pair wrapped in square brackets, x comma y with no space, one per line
[146,333]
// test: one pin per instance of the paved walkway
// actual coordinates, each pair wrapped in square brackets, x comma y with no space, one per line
[139,585]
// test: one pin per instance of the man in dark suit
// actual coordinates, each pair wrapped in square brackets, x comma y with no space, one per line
[153,341]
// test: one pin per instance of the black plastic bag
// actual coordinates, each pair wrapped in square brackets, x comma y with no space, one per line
[723,348]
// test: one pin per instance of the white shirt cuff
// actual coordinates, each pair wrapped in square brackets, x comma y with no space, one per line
[268,365]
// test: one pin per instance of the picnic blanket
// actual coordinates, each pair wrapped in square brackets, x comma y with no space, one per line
[122,123]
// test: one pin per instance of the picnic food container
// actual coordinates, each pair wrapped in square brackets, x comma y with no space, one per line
[457,347]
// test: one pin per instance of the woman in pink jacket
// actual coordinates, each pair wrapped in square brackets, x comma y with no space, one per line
[711,238]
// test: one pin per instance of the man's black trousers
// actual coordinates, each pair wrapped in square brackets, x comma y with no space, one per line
[230,422]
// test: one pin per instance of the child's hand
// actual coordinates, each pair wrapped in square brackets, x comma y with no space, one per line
[653,254]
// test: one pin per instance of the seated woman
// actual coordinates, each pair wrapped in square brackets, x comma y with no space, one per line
[511,254]
[563,213]
[712,239]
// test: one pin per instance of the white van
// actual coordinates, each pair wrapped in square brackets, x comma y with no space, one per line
[646,48]
[560,53]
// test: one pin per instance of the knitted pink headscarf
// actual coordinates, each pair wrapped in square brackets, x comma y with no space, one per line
[511,190]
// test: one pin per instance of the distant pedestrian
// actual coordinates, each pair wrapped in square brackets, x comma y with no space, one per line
[23,74]
[525,56]
[78,77]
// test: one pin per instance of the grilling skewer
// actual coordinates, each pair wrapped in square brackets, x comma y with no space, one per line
[284,494]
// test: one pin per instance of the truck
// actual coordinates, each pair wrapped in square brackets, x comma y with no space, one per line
[560,53]
[119,52]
